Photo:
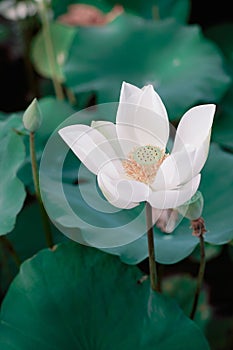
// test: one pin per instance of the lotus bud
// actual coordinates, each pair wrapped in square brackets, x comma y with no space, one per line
[32,117]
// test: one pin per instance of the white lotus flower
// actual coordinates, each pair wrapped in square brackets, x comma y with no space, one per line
[130,157]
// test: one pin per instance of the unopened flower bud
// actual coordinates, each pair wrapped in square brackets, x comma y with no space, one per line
[32,117]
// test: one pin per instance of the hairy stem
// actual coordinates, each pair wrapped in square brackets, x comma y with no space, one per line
[151,249]
[44,216]
[199,277]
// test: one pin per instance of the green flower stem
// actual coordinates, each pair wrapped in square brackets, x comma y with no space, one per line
[199,277]
[9,246]
[45,219]
[151,249]
[50,51]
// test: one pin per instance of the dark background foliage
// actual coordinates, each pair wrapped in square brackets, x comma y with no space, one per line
[18,90]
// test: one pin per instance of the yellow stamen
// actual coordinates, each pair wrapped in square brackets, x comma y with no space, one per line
[143,163]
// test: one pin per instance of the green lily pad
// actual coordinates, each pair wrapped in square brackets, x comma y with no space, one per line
[27,239]
[171,248]
[11,188]
[61,37]
[182,65]
[179,9]
[54,112]
[223,126]
[10,122]
[67,298]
